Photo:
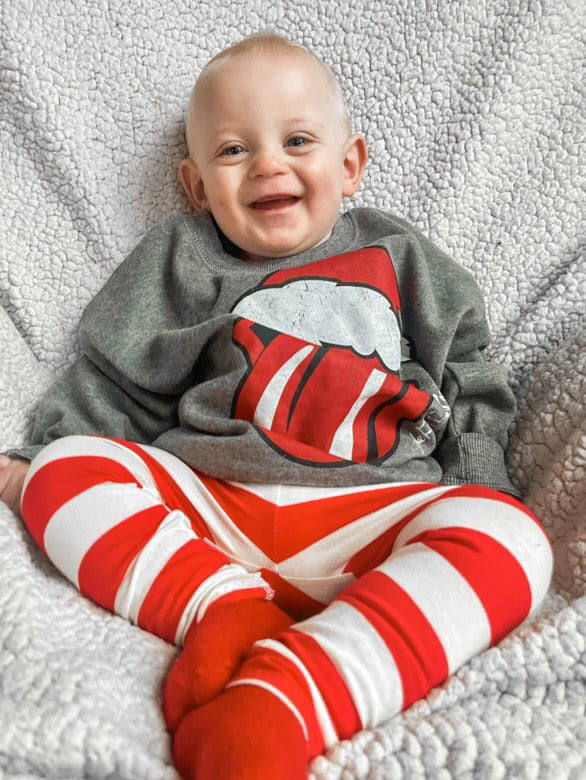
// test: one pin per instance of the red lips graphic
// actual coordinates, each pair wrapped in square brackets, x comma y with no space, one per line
[323,348]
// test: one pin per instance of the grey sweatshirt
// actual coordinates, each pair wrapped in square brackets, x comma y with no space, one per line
[356,362]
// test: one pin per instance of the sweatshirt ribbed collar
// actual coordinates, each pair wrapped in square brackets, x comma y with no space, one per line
[212,249]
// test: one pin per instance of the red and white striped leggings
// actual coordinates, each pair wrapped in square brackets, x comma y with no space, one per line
[394,585]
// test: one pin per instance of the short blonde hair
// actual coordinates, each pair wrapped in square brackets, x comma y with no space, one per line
[269,43]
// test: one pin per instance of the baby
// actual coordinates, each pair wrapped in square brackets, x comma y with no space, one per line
[294,467]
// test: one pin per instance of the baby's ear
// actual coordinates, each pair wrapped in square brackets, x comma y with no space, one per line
[355,159]
[192,184]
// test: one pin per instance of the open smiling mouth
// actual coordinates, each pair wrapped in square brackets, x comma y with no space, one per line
[275,204]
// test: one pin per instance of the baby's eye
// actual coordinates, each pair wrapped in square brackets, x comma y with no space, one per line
[231,151]
[297,140]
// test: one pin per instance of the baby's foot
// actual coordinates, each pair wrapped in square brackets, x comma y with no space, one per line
[244,733]
[213,650]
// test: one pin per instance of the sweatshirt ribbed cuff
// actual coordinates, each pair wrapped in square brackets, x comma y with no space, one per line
[474,459]
[27,451]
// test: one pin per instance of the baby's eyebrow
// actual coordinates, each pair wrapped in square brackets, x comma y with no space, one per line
[227,129]
[308,120]
[217,139]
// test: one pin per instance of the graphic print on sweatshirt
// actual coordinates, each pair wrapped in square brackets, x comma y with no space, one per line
[323,347]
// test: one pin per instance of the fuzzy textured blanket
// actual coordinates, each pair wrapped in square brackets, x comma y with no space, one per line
[474,116]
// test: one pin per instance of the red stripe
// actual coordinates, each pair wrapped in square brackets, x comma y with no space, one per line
[253,515]
[104,565]
[289,598]
[331,685]
[389,391]
[334,384]
[283,531]
[174,586]
[303,524]
[418,653]
[494,574]
[299,450]
[268,362]
[281,418]
[409,406]
[61,480]
[171,493]
[276,670]
[244,336]
[377,551]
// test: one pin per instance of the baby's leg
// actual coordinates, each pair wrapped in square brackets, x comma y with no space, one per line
[134,529]
[449,579]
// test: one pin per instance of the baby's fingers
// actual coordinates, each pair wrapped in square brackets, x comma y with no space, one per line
[12,478]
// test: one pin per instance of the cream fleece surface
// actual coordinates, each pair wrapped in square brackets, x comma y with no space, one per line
[474,114]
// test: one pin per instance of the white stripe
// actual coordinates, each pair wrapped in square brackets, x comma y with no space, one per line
[269,400]
[172,534]
[82,520]
[328,556]
[504,523]
[276,692]
[93,446]
[227,579]
[324,589]
[343,441]
[450,605]
[289,495]
[362,659]
[329,734]
[226,534]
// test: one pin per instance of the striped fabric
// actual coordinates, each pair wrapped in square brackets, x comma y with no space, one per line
[129,535]
[395,585]
[465,569]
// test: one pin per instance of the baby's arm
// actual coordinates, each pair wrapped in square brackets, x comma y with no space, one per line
[444,314]
[138,355]
[12,475]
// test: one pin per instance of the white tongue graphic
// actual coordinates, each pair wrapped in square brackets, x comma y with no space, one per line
[321,311]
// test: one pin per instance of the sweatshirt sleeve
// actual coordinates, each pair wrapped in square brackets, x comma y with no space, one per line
[85,400]
[139,350]
[482,408]
[446,318]
[481,401]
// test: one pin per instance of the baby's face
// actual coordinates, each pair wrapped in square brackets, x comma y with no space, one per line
[270,153]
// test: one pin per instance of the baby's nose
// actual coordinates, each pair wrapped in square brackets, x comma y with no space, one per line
[268,162]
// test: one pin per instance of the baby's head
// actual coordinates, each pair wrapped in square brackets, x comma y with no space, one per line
[271,151]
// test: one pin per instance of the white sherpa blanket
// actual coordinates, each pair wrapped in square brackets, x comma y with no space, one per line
[474,115]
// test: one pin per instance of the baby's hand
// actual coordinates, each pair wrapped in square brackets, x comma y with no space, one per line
[12,474]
